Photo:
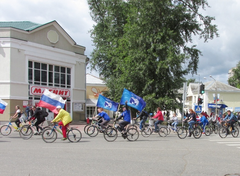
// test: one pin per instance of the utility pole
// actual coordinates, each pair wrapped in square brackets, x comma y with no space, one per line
[184,99]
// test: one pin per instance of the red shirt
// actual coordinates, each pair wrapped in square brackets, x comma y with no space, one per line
[159,116]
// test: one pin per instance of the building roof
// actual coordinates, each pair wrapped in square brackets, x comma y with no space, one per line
[22,25]
[212,85]
[90,79]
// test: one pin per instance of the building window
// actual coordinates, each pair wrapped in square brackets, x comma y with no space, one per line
[90,111]
[49,75]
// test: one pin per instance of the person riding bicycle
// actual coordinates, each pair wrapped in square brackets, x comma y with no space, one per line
[65,118]
[230,119]
[38,114]
[143,117]
[104,116]
[192,120]
[203,121]
[159,117]
[175,121]
[17,115]
[126,118]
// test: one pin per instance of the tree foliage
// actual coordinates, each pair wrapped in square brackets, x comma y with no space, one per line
[235,79]
[146,46]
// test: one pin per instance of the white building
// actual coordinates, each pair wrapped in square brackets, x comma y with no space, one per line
[228,96]
[34,57]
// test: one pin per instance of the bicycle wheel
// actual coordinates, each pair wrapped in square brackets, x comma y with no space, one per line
[182,133]
[74,135]
[223,132]
[132,134]
[5,130]
[85,128]
[49,135]
[110,134]
[146,132]
[235,133]
[207,131]
[92,131]
[197,133]
[132,126]
[168,130]
[42,129]
[163,132]
[216,129]
[26,132]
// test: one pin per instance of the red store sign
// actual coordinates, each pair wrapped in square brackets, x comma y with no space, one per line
[36,90]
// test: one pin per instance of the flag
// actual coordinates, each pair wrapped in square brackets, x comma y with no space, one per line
[214,98]
[106,103]
[50,101]
[3,105]
[218,96]
[133,100]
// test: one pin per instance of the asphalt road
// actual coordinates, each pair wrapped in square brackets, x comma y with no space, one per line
[209,155]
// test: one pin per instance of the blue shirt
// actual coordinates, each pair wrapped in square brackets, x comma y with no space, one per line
[104,115]
[230,117]
[204,120]
[126,116]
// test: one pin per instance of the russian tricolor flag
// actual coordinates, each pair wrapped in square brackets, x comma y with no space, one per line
[3,105]
[50,101]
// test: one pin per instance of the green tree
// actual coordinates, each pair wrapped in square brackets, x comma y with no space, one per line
[235,79]
[146,46]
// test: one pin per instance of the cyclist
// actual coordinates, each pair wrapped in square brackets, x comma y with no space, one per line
[65,118]
[126,118]
[143,117]
[230,119]
[203,121]
[17,115]
[175,121]
[104,116]
[159,117]
[38,114]
[192,120]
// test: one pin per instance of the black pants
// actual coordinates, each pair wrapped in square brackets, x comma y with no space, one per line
[123,124]
[104,123]
[38,123]
[231,124]
[17,122]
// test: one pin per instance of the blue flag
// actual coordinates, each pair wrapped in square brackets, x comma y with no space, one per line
[133,100]
[106,103]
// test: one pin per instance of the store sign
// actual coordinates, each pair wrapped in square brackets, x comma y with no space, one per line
[37,90]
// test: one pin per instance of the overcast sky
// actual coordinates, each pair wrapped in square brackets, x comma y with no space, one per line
[219,54]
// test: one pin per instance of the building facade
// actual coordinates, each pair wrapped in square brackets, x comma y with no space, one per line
[94,87]
[35,57]
[218,97]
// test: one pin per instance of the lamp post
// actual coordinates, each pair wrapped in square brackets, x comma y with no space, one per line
[216,94]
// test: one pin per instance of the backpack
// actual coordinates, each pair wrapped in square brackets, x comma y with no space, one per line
[45,114]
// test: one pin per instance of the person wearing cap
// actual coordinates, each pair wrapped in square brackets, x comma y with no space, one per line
[230,119]
[104,116]
[126,118]
[64,118]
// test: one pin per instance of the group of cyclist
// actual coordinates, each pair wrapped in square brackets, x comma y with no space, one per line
[65,118]
[39,116]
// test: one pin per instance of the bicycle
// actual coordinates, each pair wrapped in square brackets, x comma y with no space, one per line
[5,130]
[170,127]
[148,130]
[208,130]
[226,130]
[26,132]
[183,131]
[49,135]
[111,133]
[93,129]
